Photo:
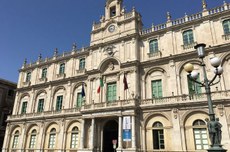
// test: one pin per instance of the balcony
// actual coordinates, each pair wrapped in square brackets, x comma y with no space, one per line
[156,54]
[189,46]
[112,107]
[226,36]
[185,99]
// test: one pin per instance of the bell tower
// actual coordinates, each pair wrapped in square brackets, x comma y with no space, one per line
[113,8]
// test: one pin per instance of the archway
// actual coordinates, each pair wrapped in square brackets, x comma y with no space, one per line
[110,133]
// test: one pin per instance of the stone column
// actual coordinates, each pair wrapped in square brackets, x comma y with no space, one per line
[133,133]
[120,133]
[92,132]
[23,138]
[82,134]
[7,139]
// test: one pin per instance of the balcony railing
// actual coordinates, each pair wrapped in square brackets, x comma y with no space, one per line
[221,95]
[189,46]
[132,103]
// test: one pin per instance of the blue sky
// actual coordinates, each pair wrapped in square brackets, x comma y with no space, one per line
[31,27]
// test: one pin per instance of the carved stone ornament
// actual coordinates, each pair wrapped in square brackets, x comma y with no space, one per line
[111,66]
[175,112]
[110,50]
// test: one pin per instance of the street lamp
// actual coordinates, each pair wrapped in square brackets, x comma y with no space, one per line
[214,126]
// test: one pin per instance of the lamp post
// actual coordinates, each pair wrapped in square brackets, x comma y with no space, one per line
[214,126]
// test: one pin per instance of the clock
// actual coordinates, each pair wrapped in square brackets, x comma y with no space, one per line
[111,28]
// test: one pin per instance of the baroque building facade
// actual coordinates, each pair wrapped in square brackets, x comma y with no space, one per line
[128,88]
[7,96]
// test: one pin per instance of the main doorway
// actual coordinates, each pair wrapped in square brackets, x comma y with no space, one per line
[110,133]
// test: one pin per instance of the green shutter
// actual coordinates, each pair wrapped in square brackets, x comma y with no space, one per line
[153,46]
[82,64]
[157,89]
[226,25]
[188,37]
[24,106]
[111,92]
[40,105]
[193,87]
[79,100]
[59,103]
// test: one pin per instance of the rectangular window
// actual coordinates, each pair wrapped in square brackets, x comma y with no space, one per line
[157,89]
[40,105]
[32,141]
[158,139]
[79,100]
[111,92]
[153,46]
[15,141]
[188,37]
[226,26]
[52,141]
[201,138]
[74,140]
[24,107]
[62,68]
[59,103]
[193,87]
[28,76]
[44,73]
[82,64]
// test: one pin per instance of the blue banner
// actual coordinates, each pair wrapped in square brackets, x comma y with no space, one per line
[127,135]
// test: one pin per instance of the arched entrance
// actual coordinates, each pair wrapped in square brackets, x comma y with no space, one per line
[110,133]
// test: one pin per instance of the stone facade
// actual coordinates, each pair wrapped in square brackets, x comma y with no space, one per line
[7,96]
[160,110]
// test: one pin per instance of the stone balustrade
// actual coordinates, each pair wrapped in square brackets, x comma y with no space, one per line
[132,103]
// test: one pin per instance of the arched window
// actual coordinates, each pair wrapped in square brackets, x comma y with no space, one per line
[15,139]
[200,134]
[153,46]
[158,136]
[52,138]
[188,37]
[74,137]
[33,138]
[226,26]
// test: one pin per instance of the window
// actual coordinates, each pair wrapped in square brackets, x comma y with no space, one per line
[112,11]
[52,138]
[82,64]
[79,100]
[40,105]
[158,136]
[44,73]
[24,106]
[59,103]
[188,37]
[157,89]
[226,26]
[193,87]
[200,135]
[33,138]
[15,140]
[153,46]
[74,138]
[111,92]
[62,68]
[28,76]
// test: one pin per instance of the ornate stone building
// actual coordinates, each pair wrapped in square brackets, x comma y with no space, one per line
[128,88]
[7,96]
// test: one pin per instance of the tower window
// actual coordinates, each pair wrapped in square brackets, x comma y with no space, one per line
[113,11]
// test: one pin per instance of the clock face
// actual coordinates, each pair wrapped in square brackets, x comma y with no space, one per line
[111,28]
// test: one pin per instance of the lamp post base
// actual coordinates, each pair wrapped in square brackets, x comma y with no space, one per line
[216,149]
